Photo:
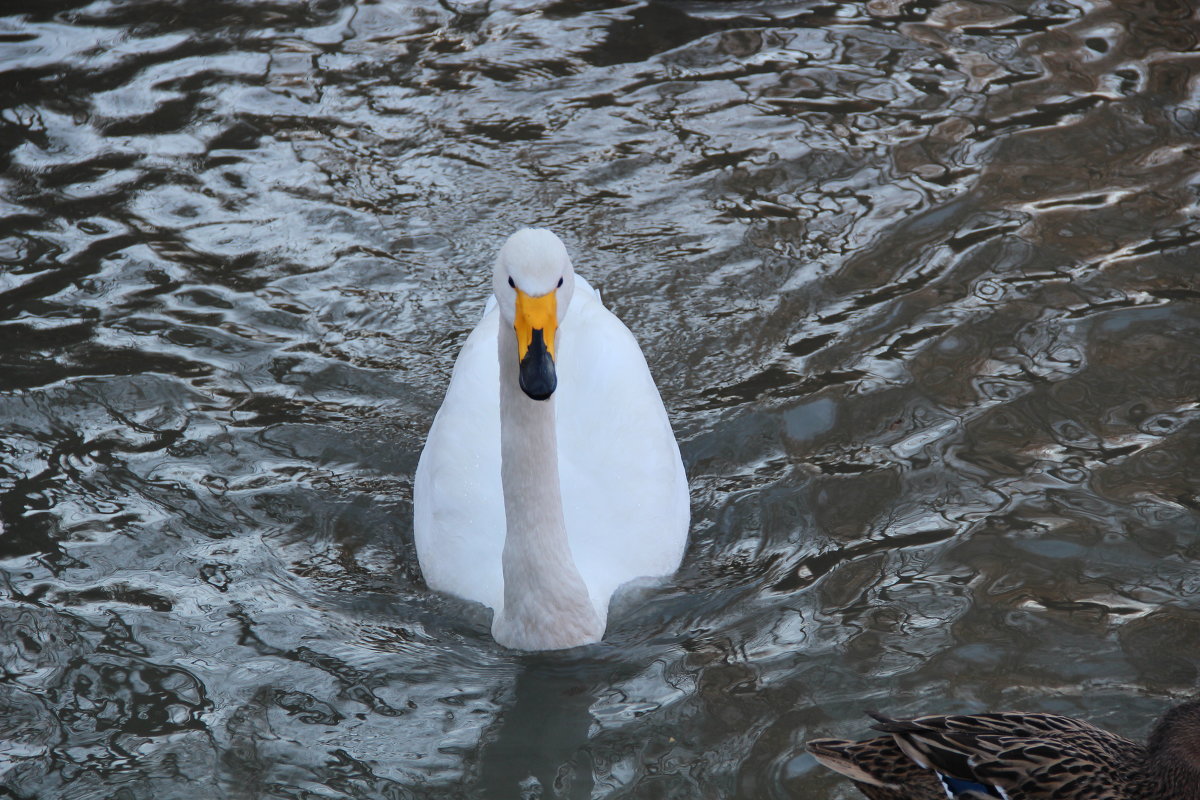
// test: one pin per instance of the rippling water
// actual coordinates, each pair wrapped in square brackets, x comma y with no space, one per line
[917,282]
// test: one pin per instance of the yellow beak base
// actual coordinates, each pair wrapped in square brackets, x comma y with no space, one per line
[536,322]
[535,313]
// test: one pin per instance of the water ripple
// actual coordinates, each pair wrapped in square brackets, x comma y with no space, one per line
[917,284]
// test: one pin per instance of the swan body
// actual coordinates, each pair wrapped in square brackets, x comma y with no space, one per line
[1019,756]
[550,476]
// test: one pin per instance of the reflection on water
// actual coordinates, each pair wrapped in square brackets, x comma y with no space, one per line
[543,731]
[917,283]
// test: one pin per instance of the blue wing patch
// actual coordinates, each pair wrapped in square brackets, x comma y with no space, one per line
[958,789]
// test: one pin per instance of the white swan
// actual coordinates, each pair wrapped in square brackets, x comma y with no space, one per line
[550,476]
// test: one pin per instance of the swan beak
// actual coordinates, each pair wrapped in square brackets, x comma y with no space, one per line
[537,319]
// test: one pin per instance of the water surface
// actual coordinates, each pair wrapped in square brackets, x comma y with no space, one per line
[917,282]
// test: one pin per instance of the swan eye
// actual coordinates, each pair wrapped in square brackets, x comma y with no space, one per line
[511,283]
[559,284]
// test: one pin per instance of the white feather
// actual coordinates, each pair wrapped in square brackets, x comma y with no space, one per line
[624,493]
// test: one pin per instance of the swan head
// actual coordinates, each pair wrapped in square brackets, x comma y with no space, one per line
[533,282]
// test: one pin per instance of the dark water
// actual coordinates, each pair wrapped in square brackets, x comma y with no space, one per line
[917,281]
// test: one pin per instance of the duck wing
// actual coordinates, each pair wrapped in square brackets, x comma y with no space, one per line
[879,768]
[1027,756]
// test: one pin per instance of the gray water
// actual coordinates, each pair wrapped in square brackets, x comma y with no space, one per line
[917,282]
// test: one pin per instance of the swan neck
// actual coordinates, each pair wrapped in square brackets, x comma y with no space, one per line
[546,602]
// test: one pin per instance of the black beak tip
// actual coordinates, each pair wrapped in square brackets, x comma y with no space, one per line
[538,379]
[538,395]
[539,384]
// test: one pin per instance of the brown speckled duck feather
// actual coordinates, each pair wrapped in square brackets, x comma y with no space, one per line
[1020,756]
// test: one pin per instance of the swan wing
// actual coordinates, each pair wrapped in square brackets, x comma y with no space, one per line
[625,494]
[458,501]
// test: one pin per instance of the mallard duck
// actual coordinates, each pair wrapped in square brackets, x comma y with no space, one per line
[1019,756]
[550,476]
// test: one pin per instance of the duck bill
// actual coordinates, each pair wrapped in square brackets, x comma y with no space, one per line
[536,323]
